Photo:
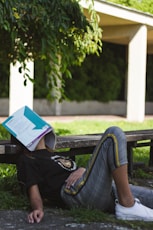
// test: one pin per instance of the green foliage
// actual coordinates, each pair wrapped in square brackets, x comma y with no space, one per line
[149,79]
[56,32]
[141,154]
[142,5]
[4,134]
[82,160]
[4,76]
[99,78]
[6,171]
[10,201]
[139,173]
[40,84]
[10,193]
[88,215]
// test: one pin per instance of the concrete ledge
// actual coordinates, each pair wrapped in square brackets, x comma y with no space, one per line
[93,108]
[4,107]
[46,108]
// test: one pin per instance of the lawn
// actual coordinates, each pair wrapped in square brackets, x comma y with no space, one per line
[11,197]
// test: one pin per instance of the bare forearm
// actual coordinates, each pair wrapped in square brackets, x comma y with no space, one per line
[36,203]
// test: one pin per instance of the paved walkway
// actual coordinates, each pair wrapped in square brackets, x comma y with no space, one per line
[84,117]
[54,219]
[72,118]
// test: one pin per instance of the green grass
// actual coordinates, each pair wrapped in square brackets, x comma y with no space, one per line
[10,195]
[82,215]
[88,127]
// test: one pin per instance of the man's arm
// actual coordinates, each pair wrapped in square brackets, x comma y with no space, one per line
[36,204]
[74,176]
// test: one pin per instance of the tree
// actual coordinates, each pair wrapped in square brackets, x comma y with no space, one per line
[56,32]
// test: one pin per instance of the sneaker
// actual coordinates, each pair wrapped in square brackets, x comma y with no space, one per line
[136,212]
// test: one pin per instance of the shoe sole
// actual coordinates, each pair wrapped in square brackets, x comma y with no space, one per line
[134,218]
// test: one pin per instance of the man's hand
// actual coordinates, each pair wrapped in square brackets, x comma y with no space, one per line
[36,204]
[74,176]
[35,216]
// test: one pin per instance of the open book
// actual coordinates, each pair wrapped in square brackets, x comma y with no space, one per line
[28,128]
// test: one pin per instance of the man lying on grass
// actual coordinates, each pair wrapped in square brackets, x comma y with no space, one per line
[102,185]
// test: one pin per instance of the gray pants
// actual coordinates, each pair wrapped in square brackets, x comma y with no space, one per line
[95,188]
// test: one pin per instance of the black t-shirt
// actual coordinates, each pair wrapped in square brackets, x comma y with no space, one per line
[48,172]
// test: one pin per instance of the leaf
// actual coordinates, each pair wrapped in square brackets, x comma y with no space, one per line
[20,69]
[25,82]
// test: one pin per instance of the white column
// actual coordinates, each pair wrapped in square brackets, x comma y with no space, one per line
[137,52]
[20,95]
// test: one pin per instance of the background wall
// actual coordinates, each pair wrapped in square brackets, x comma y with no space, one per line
[45,108]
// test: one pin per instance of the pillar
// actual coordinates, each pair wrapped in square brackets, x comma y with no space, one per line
[19,94]
[137,52]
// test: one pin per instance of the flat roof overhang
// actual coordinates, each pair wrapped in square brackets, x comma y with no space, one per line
[117,20]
